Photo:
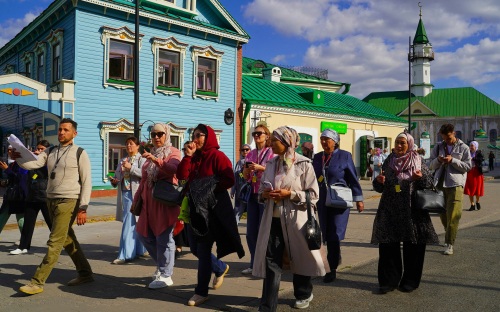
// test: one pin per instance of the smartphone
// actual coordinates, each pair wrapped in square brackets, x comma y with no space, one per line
[440,156]
[247,164]
[268,185]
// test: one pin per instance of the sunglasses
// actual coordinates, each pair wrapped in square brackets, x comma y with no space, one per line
[198,135]
[157,134]
[258,133]
[245,150]
[184,149]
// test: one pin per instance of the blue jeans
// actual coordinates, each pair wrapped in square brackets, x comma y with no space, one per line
[254,216]
[161,248]
[130,246]
[207,263]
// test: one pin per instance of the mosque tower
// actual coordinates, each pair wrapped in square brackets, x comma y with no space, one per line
[421,58]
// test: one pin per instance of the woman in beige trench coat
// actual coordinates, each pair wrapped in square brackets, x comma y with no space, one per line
[282,228]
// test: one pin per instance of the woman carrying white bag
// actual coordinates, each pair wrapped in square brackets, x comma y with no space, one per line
[334,168]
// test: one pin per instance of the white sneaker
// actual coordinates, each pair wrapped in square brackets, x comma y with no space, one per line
[19,251]
[155,276]
[247,271]
[302,304]
[449,250]
[161,281]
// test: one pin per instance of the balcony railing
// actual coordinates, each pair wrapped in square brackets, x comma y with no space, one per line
[421,54]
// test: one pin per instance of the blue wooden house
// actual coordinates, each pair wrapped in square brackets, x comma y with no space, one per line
[76,60]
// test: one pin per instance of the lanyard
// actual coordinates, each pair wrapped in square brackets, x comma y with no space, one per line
[402,165]
[59,158]
[259,160]
[324,163]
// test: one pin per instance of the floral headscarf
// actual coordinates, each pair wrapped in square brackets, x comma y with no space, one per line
[159,152]
[409,162]
[291,139]
[378,151]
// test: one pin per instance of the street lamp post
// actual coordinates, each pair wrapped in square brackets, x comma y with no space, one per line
[136,72]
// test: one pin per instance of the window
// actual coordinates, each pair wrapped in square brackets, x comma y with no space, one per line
[121,60]
[40,71]
[56,62]
[417,111]
[207,75]
[493,135]
[168,70]
[458,134]
[117,150]
[174,139]
[27,69]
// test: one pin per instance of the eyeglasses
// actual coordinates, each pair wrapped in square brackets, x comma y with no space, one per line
[198,135]
[245,150]
[258,133]
[184,149]
[157,134]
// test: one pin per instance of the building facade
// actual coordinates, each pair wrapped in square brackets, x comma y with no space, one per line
[76,60]
[475,116]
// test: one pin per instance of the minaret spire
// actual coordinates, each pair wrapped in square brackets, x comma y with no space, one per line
[420,10]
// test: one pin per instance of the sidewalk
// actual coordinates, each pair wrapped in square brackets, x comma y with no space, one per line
[127,283]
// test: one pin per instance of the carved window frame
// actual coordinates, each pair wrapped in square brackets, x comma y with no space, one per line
[210,53]
[119,34]
[169,44]
[40,48]
[56,36]
[9,69]
[28,57]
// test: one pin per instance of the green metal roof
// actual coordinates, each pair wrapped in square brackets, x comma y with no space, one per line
[420,34]
[453,102]
[286,74]
[260,91]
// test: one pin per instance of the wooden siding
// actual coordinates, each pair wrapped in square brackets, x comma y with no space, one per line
[208,14]
[65,22]
[20,116]
[95,103]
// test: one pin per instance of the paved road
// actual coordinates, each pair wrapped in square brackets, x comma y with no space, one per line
[122,288]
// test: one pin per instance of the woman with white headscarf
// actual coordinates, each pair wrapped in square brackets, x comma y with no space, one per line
[156,224]
[282,190]
[396,221]
[333,166]
[474,185]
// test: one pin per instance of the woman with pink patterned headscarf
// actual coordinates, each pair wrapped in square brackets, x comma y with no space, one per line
[398,222]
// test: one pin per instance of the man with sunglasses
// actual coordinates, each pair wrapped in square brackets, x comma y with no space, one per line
[239,206]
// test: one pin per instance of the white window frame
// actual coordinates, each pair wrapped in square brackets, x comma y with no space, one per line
[119,34]
[40,48]
[28,57]
[169,44]
[210,53]
[56,36]
[190,5]
[218,133]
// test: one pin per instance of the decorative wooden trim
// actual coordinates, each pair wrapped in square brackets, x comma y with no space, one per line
[121,34]
[171,44]
[56,36]
[39,48]
[28,57]
[9,69]
[218,132]
[210,53]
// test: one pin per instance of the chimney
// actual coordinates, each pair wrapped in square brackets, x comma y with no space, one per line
[272,74]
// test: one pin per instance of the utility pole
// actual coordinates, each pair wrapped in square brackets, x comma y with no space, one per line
[410,56]
[137,128]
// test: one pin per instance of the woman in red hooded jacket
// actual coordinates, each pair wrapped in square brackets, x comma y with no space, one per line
[203,159]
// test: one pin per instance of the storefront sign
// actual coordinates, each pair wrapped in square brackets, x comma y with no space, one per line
[339,127]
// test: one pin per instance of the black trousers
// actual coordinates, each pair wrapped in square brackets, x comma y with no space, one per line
[333,256]
[390,266]
[30,214]
[302,286]
[491,165]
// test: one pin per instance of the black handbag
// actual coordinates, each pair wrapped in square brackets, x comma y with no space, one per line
[168,193]
[429,200]
[313,232]
[14,191]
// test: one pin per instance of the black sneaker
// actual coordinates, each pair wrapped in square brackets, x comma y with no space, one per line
[478,205]
[330,277]
[472,207]
[385,289]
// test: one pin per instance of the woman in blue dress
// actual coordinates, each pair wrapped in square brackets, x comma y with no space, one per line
[334,166]
[127,178]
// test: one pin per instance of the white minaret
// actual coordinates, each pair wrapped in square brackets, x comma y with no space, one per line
[421,61]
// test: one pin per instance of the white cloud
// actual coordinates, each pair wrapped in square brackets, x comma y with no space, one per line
[279,58]
[11,27]
[366,42]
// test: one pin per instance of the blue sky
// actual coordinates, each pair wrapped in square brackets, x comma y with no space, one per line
[363,42]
